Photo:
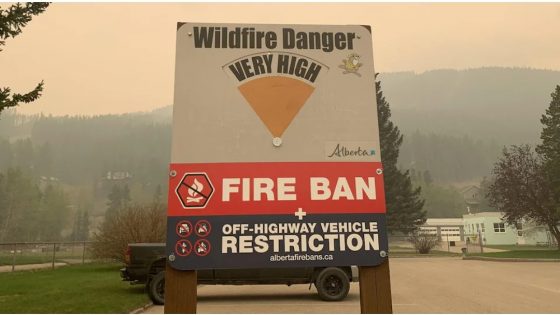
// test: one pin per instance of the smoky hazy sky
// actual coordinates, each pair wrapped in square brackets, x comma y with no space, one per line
[116,58]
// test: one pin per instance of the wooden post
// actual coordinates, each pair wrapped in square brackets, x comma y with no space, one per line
[14,258]
[53,254]
[480,242]
[180,291]
[84,253]
[375,289]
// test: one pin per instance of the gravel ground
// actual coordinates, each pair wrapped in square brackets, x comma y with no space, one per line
[419,285]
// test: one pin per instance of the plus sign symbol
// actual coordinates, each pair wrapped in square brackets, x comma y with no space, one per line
[300,214]
[194,190]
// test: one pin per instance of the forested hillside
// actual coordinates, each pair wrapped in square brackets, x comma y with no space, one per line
[499,104]
[454,124]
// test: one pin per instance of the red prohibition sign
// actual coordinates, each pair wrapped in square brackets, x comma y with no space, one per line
[202,247]
[183,248]
[202,228]
[184,228]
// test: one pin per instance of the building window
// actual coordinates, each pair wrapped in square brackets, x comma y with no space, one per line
[499,227]
[483,229]
[477,228]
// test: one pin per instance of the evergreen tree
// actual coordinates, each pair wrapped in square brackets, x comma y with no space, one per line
[19,201]
[43,160]
[6,155]
[125,195]
[404,204]
[80,231]
[428,178]
[550,147]
[158,195]
[76,226]
[54,212]
[118,198]
[483,202]
[114,201]
[549,151]
[84,227]
[12,21]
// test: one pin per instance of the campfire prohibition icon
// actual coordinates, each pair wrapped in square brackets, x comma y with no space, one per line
[194,190]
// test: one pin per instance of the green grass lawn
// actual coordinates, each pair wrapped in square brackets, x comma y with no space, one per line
[39,258]
[89,288]
[25,259]
[519,247]
[535,254]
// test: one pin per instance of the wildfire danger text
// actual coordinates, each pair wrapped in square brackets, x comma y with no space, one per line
[250,37]
[299,237]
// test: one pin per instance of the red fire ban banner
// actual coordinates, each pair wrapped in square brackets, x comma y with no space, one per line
[209,189]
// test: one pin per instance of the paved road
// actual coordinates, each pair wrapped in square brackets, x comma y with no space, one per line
[419,285]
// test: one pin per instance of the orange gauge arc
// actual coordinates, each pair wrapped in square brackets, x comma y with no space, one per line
[276,100]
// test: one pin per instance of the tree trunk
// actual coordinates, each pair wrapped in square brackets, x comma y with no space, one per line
[9,214]
[556,232]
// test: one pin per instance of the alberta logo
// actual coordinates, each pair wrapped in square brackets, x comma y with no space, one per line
[343,151]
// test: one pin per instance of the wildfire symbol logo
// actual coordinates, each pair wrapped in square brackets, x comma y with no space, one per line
[194,190]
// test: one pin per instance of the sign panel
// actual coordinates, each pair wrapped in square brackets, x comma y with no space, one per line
[275,152]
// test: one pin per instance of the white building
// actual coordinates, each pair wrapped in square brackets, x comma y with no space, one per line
[492,228]
[447,229]
[495,231]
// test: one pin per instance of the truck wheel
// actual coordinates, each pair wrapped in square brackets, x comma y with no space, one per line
[332,284]
[156,288]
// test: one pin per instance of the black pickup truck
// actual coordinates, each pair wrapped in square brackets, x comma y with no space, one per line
[145,264]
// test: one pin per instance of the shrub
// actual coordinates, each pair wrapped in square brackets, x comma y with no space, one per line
[131,224]
[423,242]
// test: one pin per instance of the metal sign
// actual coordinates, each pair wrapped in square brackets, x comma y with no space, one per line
[275,152]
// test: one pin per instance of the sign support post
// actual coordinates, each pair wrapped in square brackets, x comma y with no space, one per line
[375,289]
[180,291]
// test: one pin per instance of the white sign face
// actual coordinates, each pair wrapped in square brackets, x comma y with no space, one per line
[239,86]
[275,150]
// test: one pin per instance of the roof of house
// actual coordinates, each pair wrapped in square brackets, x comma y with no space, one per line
[468,188]
[443,221]
[483,214]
